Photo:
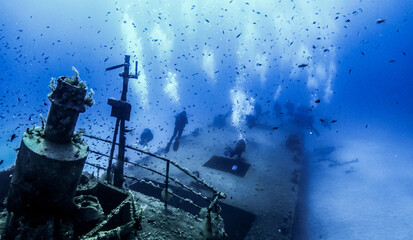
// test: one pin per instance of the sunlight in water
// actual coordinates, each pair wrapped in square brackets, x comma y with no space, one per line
[208,64]
[134,45]
[171,87]
[319,90]
[242,105]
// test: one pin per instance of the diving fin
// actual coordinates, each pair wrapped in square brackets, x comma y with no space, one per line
[168,147]
[176,145]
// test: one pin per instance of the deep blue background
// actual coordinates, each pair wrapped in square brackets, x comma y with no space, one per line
[218,56]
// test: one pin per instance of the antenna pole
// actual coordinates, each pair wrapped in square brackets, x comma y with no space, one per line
[121,110]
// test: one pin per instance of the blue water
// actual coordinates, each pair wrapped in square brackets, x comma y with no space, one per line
[211,57]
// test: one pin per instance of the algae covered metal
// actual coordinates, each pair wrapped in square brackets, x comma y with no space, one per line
[48,166]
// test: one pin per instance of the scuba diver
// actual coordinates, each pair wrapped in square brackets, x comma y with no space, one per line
[252,120]
[277,110]
[146,137]
[303,119]
[180,122]
[220,121]
[239,149]
[290,107]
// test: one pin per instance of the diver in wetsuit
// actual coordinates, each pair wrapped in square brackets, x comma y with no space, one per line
[146,137]
[239,149]
[180,122]
[303,119]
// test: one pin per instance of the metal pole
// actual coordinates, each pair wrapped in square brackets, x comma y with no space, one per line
[112,149]
[118,178]
[118,175]
[125,76]
[166,185]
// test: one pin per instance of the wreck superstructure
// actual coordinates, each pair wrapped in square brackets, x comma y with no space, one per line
[48,166]
[50,198]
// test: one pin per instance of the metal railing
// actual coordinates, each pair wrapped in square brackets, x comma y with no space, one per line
[213,204]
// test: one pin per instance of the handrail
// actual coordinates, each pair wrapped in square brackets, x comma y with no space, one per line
[95,165]
[166,185]
[216,194]
[154,171]
[141,166]
[158,187]
[186,171]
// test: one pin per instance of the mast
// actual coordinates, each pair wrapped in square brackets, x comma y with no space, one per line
[121,110]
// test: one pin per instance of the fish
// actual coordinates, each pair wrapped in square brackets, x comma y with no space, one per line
[1,162]
[333,121]
[238,35]
[303,65]
[380,20]
[128,130]
[318,101]
[275,128]
[12,137]
[322,120]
